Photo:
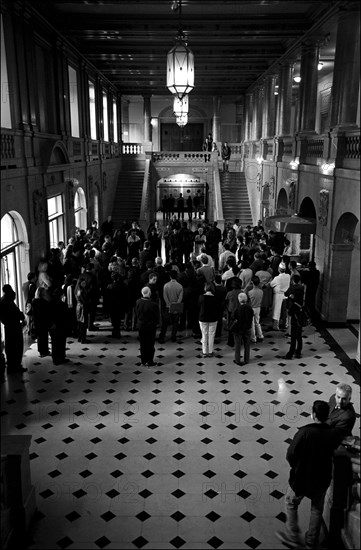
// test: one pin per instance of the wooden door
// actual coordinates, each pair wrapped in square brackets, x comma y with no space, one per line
[174,138]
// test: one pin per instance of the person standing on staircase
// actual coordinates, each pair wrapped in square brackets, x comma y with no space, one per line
[226,155]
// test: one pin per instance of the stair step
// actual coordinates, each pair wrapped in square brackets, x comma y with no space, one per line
[235,198]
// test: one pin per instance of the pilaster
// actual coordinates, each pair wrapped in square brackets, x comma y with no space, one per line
[147,118]
[308,87]
[345,85]
[285,100]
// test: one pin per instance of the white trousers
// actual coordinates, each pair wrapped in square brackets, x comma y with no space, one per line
[208,332]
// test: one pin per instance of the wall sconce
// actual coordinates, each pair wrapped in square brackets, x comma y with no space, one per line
[294,164]
[297,79]
[319,66]
[260,160]
[326,166]
[276,89]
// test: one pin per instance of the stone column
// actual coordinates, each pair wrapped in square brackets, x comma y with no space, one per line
[216,127]
[345,85]
[248,117]
[269,107]
[257,114]
[308,87]
[285,100]
[124,107]
[147,118]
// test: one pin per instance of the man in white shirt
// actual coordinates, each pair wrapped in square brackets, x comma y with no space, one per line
[279,284]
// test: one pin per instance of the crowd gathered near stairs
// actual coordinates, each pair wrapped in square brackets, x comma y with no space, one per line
[226,282]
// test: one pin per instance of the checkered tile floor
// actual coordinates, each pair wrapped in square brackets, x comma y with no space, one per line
[189,454]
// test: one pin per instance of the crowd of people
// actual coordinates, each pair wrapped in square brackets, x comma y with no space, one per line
[240,274]
[210,281]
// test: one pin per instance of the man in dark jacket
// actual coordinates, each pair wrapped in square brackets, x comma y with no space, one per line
[310,458]
[242,317]
[342,415]
[147,314]
[13,320]
[295,295]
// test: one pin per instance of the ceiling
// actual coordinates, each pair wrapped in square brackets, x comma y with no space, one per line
[234,42]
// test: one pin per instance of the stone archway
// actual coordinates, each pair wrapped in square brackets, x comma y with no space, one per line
[343,292]
[307,208]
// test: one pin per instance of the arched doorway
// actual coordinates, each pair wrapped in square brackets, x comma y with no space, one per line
[344,281]
[14,254]
[80,209]
[189,186]
[282,202]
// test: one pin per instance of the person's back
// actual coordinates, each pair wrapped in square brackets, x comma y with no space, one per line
[244,316]
[255,296]
[310,458]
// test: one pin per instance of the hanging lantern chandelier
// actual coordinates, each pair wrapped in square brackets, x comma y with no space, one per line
[180,106]
[182,120]
[180,62]
[180,68]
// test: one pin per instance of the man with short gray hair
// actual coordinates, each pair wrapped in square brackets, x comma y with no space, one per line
[147,314]
[341,415]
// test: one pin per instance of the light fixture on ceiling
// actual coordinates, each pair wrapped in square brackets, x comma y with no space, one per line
[180,106]
[297,79]
[182,120]
[319,66]
[180,64]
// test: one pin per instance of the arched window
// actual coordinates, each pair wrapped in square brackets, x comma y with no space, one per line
[80,209]
[14,258]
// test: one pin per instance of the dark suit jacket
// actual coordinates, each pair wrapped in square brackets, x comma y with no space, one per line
[341,419]
[310,458]
[244,315]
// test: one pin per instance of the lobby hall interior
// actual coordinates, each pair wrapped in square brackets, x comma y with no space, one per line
[105,107]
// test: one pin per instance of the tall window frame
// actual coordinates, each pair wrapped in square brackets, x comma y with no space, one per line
[73,101]
[14,254]
[5,109]
[115,121]
[80,210]
[105,116]
[56,219]
[92,110]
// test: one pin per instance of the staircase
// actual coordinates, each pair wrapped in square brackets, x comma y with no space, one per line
[128,196]
[235,199]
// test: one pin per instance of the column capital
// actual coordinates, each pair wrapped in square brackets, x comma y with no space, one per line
[310,45]
[348,9]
